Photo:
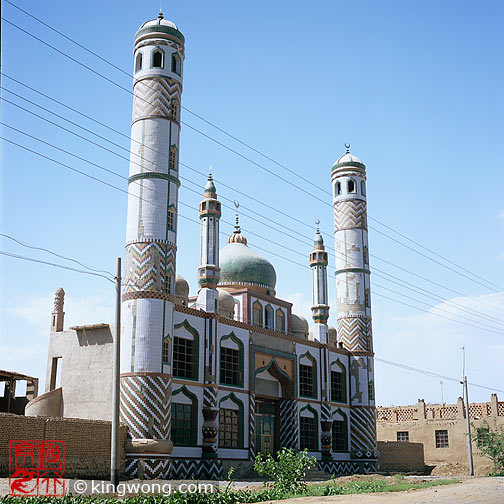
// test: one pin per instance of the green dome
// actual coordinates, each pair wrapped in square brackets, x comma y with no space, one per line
[241,265]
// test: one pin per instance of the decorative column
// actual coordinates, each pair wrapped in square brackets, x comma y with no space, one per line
[58,315]
[320,306]
[151,244]
[208,271]
[348,178]
[326,439]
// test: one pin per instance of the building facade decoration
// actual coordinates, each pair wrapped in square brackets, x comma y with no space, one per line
[210,380]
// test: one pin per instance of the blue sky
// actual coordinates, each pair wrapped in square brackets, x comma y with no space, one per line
[415,87]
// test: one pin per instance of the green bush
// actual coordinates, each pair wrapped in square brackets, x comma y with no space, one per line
[287,471]
[490,443]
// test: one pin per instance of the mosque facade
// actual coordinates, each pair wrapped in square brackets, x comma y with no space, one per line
[214,379]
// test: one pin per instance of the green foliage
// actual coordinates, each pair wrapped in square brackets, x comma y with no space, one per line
[288,471]
[490,443]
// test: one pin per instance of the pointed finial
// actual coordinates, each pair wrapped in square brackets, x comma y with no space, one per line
[160,15]
[237,220]
[317,222]
[347,147]
[210,173]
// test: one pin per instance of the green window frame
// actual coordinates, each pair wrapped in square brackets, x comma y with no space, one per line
[308,429]
[308,377]
[157,51]
[231,362]
[184,419]
[185,357]
[340,434]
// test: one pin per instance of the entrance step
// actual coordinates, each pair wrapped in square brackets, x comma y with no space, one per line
[316,475]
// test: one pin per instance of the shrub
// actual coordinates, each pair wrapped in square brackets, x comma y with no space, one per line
[490,443]
[288,471]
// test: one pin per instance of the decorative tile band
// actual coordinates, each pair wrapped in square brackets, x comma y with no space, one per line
[350,214]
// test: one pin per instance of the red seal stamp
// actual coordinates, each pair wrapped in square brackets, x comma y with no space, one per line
[36,468]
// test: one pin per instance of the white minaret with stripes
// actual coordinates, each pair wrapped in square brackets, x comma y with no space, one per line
[348,178]
[151,232]
[320,306]
[208,271]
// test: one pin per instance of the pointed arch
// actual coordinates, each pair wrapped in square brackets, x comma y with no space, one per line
[338,381]
[231,423]
[308,377]
[340,431]
[184,417]
[157,57]
[138,61]
[257,313]
[231,361]
[186,352]
[269,321]
[285,381]
[308,429]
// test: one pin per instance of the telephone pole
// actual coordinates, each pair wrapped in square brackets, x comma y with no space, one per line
[114,443]
[469,441]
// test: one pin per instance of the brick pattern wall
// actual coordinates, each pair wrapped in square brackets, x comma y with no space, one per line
[87,442]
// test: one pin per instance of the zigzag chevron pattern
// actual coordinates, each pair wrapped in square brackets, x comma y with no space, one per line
[252,427]
[148,267]
[325,411]
[362,430]
[210,397]
[154,98]
[209,469]
[288,424]
[350,214]
[355,334]
[171,468]
[336,468]
[146,405]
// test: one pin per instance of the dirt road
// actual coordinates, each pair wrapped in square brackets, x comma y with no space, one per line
[469,491]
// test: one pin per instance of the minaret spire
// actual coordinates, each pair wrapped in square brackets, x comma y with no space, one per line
[320,307]
[208,271]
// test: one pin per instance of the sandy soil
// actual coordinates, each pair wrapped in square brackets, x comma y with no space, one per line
[473,491]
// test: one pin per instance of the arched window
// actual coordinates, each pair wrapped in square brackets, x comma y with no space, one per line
[308,428]
[338,188]
[338,382]
[340,432]
[351,186]
[171,219]
[231,360]
[175,63]
[185,351]
[367,296]
[157,59]
[166,350]
[366,255]
[280,320]
[174,110]
[363,188]
[257,317]
[173,157]
[307,376]
[269,320]
[138,64]
[230,422]
[184,418]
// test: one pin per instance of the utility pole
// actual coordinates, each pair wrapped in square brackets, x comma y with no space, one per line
[469,442]
[114,444]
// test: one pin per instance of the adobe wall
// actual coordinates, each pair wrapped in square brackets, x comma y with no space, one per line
[422,421]
[87,442]
[401,457]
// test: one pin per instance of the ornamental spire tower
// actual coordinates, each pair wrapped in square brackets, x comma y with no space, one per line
[208,271]
[348,178]
[151,232]
[320,307]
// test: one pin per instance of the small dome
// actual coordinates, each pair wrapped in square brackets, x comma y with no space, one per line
[160,21]
[226,304]
[299,326]
[318,239]
[181,290]
[348,158]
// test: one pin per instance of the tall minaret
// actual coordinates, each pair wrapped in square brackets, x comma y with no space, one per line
[208,271]
[151,235]
[348,178]
[320,307]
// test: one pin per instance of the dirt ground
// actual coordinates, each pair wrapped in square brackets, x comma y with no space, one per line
[469,491]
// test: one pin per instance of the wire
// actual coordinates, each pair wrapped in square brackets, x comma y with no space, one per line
[257,164]
[255,234]
[461,307]
[433,375]
[8,254]
[55,254]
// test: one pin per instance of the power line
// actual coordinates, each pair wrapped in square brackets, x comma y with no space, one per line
[55,254]
[433,375]
[261,166]
[8,254]
[467,310]
[255,234]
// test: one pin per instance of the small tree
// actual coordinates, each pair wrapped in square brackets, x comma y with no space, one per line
[490,443]
[288,471]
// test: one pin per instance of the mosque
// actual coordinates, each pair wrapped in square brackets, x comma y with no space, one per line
[211,380]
